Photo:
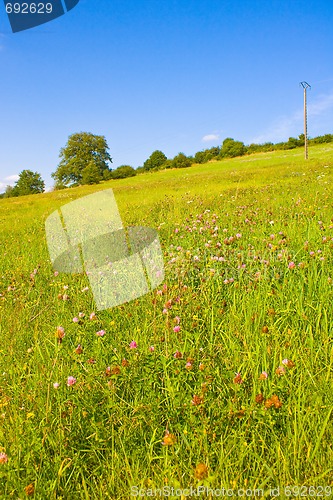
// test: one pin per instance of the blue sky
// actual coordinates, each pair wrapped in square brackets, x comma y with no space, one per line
[178,75]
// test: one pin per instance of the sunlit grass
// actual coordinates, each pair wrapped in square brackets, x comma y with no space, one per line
[248,256]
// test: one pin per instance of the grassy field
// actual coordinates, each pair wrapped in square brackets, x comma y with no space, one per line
[220,378]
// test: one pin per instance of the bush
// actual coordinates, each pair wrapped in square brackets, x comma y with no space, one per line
[122,172]
[181,161]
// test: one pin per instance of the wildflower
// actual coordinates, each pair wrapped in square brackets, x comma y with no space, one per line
[75,320]
[81,315]
[125,362]
[263,376]
[29,490]
[133,345]
[291,265]
[201,367]
[201,471]
[115,370]
[189,365]
[169,439]
[176,320]
[276,401]
[92,316]
[288,363]
[60,333]
[91,361]
[71,381]
[79,349]
[280,370]
[85,289]
[151,348]
[238,379]
[65,297]
[101,333]
[268,403]
[55,273]
[178,355]
[176,329]
[259,398]
[197,400]
[3,458]
[56,385]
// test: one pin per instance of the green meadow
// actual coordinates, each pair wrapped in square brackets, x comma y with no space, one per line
[219,378]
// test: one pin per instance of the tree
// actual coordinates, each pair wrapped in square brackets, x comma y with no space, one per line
[200,157]
[82,150]
[123,171]
[181,161]
[28,183]
[91,174]
[155,160]
[9,192]
[231,148]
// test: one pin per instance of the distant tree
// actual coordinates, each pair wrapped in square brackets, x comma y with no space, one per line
[168,164]
[28,183]
[181,161]
[321,139]
[155,160]
[91,174]
[107,174]
[123,171]
[82,149]
[231,148]
[292,143]
[9,192]
[214,151]
[200,157]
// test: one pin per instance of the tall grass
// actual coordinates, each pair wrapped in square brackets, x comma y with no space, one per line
[229,384]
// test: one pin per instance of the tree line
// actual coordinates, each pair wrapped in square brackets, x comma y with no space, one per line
[86,160]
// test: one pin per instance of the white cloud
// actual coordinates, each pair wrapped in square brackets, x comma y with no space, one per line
[210,137]
[323,103]
[12,178]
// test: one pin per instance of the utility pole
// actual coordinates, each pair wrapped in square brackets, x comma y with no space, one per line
[305,86]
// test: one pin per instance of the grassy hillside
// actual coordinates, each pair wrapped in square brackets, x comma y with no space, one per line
[230,382]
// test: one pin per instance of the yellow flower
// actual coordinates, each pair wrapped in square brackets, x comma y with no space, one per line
[201,471]
[30,489]
[169,439]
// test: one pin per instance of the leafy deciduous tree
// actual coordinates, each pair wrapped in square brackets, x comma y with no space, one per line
[81,151]
[231,148]
[155,160]
[28,183]
[181,161]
